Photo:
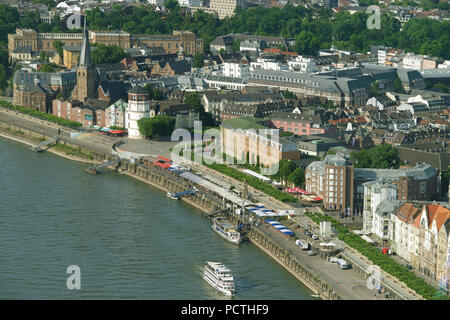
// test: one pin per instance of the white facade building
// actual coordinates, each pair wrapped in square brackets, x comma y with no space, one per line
[375,192]
[267,64]
[236,70]
[138,108]
[302,64]
[188,3]
[226,8]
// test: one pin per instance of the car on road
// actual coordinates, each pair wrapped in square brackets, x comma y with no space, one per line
[314,237]
[311,253]
[308,233]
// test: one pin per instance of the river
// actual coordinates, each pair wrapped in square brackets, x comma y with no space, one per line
[129,240]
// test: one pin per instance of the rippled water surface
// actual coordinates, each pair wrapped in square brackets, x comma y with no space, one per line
[129,240]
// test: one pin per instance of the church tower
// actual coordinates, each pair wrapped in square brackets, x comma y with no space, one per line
[86,85]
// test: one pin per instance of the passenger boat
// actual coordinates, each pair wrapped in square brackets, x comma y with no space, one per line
[171,195]
[219,277]
[226,230]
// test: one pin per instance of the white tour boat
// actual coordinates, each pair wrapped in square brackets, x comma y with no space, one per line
[226,230]
[219,277]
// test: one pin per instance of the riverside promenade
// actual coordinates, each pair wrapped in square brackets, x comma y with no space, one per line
[349,284]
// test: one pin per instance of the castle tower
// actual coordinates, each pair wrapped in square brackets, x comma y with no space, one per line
[86,85]
[138,108]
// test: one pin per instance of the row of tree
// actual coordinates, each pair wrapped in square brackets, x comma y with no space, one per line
[311,29]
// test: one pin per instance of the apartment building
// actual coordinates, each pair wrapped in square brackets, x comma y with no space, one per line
[332,180]
[45,41]
[417,184]
[255,143]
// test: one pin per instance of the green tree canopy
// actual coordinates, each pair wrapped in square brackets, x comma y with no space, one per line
[156,126]
[199,60]
[194,100]
[297,177]
[383,156]
[108,54]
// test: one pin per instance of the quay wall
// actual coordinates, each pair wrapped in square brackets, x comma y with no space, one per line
[204,200]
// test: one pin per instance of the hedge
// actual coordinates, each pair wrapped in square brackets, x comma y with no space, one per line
[40,115]
[378,258]
[253,182]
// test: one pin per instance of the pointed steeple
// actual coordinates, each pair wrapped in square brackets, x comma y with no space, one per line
[85,56]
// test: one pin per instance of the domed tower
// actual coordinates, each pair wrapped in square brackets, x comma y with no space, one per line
[138,108]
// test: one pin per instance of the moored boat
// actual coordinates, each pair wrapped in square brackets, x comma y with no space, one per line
[219,277]
[226,230]
[171,195]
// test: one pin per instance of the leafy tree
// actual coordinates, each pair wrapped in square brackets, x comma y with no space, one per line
[199,60]
[297,177]
[285,168]
[236,45]
[156,126]
[289,95]
[172,5]
[398,87]
[46,68]
[3,78]
[154,93]
[59,47]
[445,178]
[108,54]
[383,156]
[374,89]
[194,100]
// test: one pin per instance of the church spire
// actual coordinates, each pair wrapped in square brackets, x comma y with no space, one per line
[85,56]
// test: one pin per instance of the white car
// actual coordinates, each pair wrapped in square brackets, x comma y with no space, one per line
[314,237]
[333,260]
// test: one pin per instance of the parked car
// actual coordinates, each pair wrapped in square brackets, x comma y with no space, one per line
[314,237]
[409,266]
[311,253]
[333,260]
[308,233]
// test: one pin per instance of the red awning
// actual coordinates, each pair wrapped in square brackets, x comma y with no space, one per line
[318,198]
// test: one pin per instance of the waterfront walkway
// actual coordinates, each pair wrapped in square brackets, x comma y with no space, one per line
[351,284]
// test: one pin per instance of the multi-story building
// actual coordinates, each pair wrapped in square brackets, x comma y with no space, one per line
[214,102]
[332,180]
[257,144]
[299,124]
[236,70]
[418,62]
[302,64]
[340,91]
[115,114]
[46,41]
[226,8]
[375,192]
[34,96]
[417,184]
[404,236]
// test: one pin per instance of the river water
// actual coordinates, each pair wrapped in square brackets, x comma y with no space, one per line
[129,240]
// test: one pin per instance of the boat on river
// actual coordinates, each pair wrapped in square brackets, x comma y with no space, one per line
[219,277]
[226,230]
